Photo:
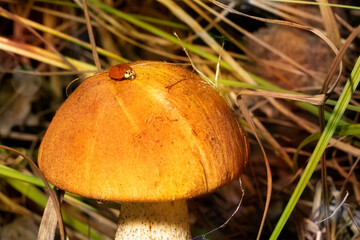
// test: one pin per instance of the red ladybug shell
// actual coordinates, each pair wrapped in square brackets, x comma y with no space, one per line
[121,71]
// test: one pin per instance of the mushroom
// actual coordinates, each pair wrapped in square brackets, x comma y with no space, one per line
[150,141]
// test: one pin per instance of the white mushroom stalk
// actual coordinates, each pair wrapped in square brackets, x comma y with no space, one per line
[161,220]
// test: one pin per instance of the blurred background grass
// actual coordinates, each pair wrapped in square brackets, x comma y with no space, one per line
[44,46]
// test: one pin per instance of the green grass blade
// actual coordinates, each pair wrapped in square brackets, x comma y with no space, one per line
[306,106]
[161,22]
[320,147]
[7,172]
[36,196]
[348,130]
[59,2]
[314,110]
[341,130]
[313,137]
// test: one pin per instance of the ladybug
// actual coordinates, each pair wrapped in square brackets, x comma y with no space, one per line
[122,72]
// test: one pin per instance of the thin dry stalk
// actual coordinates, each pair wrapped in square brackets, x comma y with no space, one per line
[91,34]
[249,119]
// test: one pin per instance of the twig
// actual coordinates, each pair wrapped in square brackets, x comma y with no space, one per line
[247,116]
[91,35]
[228,220]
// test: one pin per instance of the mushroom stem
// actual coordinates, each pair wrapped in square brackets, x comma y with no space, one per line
[161,220]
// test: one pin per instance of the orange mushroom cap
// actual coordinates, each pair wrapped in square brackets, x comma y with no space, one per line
[164,135]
